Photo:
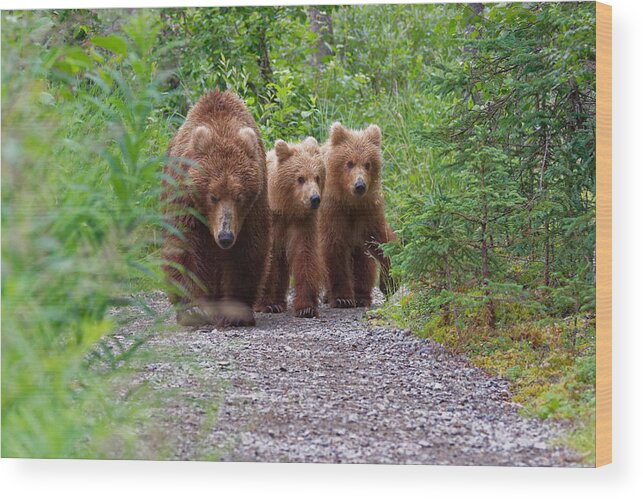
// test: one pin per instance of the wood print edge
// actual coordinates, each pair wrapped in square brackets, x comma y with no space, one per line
[603,234]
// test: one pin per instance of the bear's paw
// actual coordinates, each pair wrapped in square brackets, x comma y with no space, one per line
[306,312]
[234,314]
[272,308]
[343,303]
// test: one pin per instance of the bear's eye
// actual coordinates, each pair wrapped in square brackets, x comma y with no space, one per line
[214,199]
[301,180]
[317,179]
[367,166]
[350,164]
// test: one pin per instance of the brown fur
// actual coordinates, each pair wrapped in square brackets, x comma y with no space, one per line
[353,226]
[216,193]
[295,176]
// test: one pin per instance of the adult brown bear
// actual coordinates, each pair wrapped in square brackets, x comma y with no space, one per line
[295,186]
[217,247]
[352,221]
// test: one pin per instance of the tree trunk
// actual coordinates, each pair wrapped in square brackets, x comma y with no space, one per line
[264,57]
[484,250]
[454,307]
[547,271]
[321,24]
[477,8]
[485,253]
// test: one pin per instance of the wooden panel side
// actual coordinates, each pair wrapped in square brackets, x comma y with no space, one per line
[603,234]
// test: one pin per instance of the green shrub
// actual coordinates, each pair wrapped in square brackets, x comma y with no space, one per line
[79,197]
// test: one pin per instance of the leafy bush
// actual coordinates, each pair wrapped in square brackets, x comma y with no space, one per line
[512,206]
[80,182]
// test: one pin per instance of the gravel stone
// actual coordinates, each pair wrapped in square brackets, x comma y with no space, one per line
[333,390]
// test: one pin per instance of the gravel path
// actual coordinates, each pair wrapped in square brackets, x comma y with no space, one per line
[333,390]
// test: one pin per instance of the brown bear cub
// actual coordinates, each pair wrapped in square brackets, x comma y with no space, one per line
[216,197]
[352,221]
[295,185]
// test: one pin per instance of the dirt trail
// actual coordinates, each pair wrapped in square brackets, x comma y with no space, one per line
[333,390]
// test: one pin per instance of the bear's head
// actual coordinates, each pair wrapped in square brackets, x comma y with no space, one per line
[228,177]
[297,177]
[354,162]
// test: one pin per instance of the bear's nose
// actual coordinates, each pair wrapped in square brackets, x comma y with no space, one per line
[360,187]
[226,238]
[314,201]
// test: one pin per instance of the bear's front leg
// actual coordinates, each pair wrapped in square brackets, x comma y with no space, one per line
[240,286]
[305,267]
[383,234]
[273,300]
[340,291]
[184,282]
[364,274]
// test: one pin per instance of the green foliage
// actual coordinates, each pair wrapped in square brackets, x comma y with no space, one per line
[80,181]
[259,53]
[514,203]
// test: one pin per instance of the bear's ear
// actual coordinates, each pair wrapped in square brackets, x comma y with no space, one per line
[311,146]
[310,142]
[374,135]
[250,140]
[282,150]
[201,139]
[338,133]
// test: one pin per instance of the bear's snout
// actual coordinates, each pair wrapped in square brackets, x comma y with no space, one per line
[315,200]
[226,239]
[360,187]
[224,226]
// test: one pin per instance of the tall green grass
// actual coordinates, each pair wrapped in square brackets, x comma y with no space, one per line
[80,175]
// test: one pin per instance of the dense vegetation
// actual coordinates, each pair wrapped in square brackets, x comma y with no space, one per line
[488,117]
